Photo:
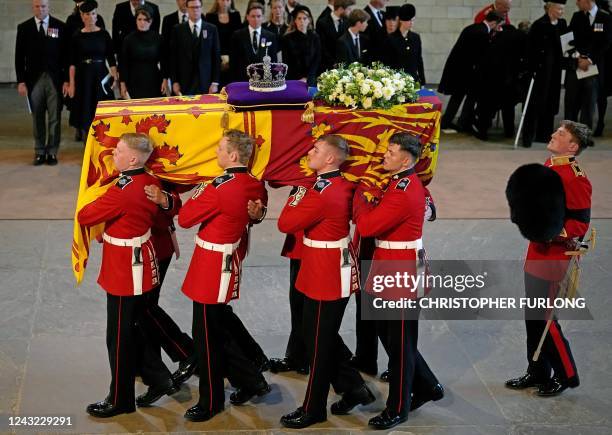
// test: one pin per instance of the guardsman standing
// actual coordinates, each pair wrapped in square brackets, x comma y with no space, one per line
[213,278]
[546,263]
[397,224]
[129,270]
[327,277]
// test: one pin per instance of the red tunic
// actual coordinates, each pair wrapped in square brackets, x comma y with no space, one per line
[397,218]
[548,260]
[164,225]
[220,208]
[323,212]
[128,213]
[480,16]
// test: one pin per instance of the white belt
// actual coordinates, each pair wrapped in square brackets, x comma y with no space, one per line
[387,244]
[133,242]
[137,267]
[227,249]
[346,262]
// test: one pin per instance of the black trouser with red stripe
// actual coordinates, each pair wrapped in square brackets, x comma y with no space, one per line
[556,353]
[401,338]
[220,355]
[296,349]
[160,327]
[329,357]
[124,340]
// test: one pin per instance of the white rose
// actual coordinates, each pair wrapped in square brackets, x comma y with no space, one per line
[401,99]
[377,93]
[366,102]
[387,93]
[365,88]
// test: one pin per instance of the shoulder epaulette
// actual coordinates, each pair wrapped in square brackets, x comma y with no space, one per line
[403,184]
[123,181]
[321,185]
[200,189]
[577,171]
[222,179]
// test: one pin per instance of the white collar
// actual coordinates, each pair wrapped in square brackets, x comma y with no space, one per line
[335,17]
[197,23]
[331,7]
[353,35]
[180,15]
[45,20]
[488,27]
[593,10]
[251,30]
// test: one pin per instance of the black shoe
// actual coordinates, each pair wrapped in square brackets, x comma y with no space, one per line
[243,395]
[599,130]
[387,420]
[370,368]
[40,159]
[479,134]
[299,419]
[105,409]
[262,363]
[51,159]
[436,394]
[526,381]
[556,386]
[185,370]
[280,365]
[385,375]
[197,413]
[154,393]
[363,396]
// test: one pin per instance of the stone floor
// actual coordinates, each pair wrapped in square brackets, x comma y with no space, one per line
[52,353]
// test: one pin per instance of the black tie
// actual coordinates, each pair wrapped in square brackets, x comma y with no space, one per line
[41,30]
[380,17]
[255,41]
[195,31]
[184,18]
[357,46]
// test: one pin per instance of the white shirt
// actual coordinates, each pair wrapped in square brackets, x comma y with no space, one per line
[355,37]
[197,25]
[258,30]
[45,22]
[336,20]
[376,12]
[592,13]
[181,15]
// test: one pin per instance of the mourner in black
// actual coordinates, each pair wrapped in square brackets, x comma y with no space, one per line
[602,97]
[227,20]
[41,52]
[391,19]
[250,44]
[195,56]
[460,77]
[326,10]
[277,21]
[545,61]
[169,21]
[142,54]
[592,35]
[403,50]
[329,29]
[376,31]
[301,48]
[353,45]
[124,20]
[91,51]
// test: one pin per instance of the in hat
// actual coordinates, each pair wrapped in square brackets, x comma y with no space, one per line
[407,12]
[300,8]
[391,12]
[88,6]
[559,2]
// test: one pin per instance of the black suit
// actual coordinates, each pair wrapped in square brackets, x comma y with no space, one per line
[168,24]
[591,41]
[324,13]
[377,33]
[346,50]
[195,63]
[124,22]
[405,53]
[41,62]
[328,36]
[242,53]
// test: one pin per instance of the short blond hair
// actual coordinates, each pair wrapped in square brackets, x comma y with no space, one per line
[240,142]
[138,142]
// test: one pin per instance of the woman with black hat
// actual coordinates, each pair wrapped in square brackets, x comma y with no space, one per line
[404,50]
[301,47]
[91,49]
[74,23]
[391,20]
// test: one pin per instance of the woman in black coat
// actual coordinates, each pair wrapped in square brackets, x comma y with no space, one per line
[301,48]
[276,21]
[141,55]
[224,15]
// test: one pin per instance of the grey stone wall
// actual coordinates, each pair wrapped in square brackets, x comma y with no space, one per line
[438,21]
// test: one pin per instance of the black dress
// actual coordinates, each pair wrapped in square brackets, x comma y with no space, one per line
[90,51]
[142,53]
[278,30]
[225,35]
[302,54]
[74,23]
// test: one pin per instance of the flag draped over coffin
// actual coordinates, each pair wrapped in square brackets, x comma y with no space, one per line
[186,131]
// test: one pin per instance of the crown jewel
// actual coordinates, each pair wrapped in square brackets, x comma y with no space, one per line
[267,76]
